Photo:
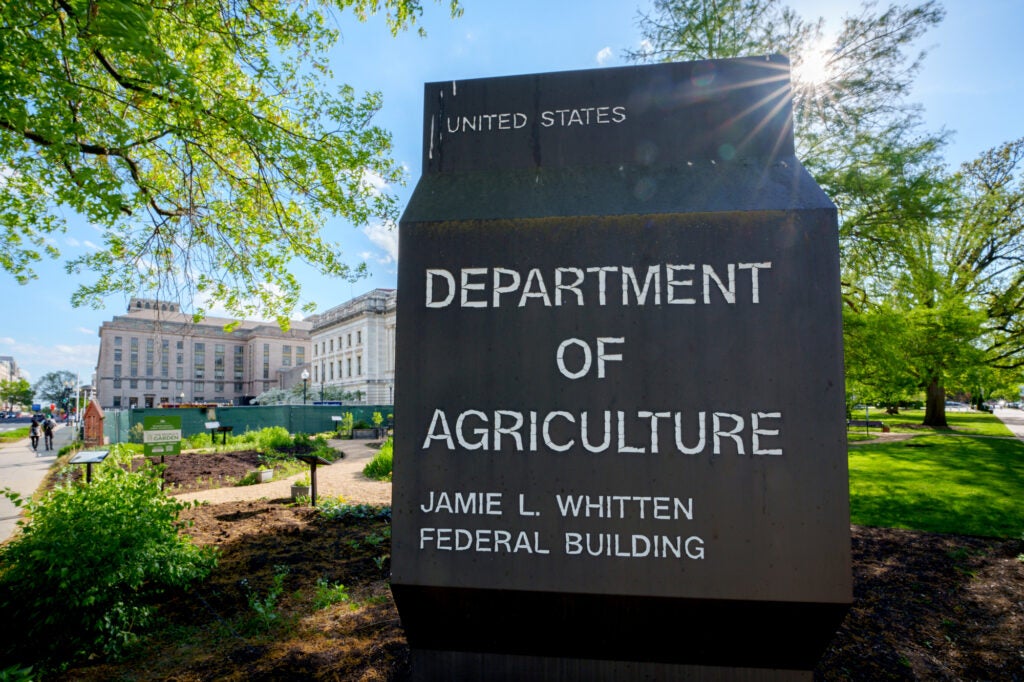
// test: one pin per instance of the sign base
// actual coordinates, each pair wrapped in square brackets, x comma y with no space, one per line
[428,665]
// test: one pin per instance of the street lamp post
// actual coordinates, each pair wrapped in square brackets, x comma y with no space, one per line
[305,384]
[181,399]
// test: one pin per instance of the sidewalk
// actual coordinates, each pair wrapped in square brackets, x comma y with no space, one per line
[1012,418]
[22,470]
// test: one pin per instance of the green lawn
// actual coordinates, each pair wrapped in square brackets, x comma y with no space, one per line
[942,482]
[14,434]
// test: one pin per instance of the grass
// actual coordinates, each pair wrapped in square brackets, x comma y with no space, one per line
[909,421]
[961,481]
[14,434]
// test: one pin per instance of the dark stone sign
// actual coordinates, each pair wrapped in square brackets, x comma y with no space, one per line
[620,445]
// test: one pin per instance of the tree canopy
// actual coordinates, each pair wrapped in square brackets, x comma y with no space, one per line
[55,387]
[205,140]
[15,392]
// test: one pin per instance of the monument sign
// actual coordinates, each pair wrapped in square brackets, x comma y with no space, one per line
[620,445]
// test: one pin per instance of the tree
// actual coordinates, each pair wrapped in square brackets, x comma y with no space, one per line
[56,387]
[15,392]
[203,139]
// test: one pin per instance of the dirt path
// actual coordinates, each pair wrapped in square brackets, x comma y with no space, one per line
[344,477]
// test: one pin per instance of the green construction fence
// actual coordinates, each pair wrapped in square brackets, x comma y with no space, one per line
[295,418]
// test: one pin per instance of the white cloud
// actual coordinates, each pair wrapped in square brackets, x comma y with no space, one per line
[84,330]
[604,55]
[34,360]
[384,236]
[374,182]
[71,241]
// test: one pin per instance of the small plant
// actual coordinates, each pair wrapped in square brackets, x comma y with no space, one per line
[16,673]
[347,420]
[378,561]
[337,509]
[329,594]
[265,608]
[378,419]
[379,468]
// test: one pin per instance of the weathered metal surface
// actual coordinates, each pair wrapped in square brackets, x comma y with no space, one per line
[621,408]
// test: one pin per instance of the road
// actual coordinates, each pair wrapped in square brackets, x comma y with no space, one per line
[22,470]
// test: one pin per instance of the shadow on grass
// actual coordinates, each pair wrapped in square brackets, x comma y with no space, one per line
[942,484]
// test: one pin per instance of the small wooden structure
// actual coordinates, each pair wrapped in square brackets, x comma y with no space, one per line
[93,431]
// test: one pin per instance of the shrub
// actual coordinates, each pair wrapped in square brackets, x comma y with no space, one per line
[79,578]
[379,468]
[136,434]
[274,439]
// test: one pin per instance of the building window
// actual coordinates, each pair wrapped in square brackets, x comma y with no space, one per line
[133,383]
[350,340]
[239,363]
[149,384]
[349,362]
[332,344]
[117,340]
[238,387]
[117,355]
[117,401]
[359,365]
[149,357]
[117,383]
[197,387]
[218,361]
[179,345]
[359,338]
[199,360]
[316,373]
[300,355]
[117,370]
[218,387]
[266,361]
[286,356]
[164,385]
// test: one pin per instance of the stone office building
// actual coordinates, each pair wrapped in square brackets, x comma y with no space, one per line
[155,354]
[354,347]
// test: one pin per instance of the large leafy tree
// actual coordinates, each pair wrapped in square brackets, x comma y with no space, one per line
[205,140]
[15,392]
[56,387]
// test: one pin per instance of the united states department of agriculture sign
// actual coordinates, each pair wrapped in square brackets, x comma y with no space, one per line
[619,391]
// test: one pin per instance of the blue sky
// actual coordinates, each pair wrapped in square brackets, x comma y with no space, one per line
[972,84]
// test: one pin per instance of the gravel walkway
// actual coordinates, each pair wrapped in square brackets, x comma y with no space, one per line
[344,477]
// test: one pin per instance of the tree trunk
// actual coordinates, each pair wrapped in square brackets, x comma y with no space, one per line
[935,405]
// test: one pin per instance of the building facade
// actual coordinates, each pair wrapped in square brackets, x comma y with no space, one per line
[8,368]
[353,347]
[155,354]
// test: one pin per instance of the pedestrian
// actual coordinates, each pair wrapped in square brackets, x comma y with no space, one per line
[48,427]
[33,433]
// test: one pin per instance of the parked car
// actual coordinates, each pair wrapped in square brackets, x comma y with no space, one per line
[954,406]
